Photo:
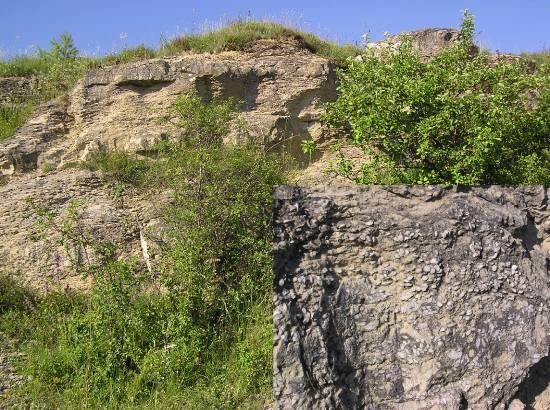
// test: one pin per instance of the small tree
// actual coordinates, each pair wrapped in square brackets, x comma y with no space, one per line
[455,119]
[308,148]
[63,48]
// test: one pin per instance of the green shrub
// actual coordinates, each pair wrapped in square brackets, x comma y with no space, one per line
[455,119]
[197,332]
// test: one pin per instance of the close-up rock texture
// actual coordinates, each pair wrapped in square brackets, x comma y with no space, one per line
[411,298]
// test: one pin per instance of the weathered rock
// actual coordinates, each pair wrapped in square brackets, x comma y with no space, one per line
[51,226]
[280,84]
[429,42]
[411,297]
[14,89]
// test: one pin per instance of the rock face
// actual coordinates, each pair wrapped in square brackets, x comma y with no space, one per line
[411,298]
[51,226]
[428,42]
[13,89]
[280,85]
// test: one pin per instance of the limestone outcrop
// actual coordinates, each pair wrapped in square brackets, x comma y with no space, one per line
[429,42]
[411,298]
[13,89]
[52,224]
[281,87]
[280,84]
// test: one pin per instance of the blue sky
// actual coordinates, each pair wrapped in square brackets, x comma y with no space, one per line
[101,26]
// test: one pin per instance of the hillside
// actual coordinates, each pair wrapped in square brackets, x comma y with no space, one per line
[136,212]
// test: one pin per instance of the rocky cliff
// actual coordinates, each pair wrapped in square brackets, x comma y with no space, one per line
[412,298]
[281,87]
[13,89]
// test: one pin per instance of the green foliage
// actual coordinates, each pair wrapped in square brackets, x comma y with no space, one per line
[455,119]
[63,48]
[308,148]
[56,71]
[12,116]
[195,334]
[14,296]
[24,66]
[203,125]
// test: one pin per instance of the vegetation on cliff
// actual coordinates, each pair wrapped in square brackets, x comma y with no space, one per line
[456,119]
[196,331]
[57,70]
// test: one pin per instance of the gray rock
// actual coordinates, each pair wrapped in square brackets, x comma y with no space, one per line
[429,42]
[467,336]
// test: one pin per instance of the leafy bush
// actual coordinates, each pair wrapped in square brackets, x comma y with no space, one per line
[454,119]
[195,334]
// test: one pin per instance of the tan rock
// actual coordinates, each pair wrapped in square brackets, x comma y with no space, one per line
[281,87]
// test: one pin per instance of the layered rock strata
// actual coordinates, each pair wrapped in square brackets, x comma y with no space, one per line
[280,85]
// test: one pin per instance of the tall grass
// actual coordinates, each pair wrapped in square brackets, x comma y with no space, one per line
[238,34]
[12,116]
[541,57]
[233,36]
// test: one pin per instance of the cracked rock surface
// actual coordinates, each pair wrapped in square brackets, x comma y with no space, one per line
[411,298]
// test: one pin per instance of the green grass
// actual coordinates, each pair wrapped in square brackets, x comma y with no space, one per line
[234,36]
[541,57]
[12,116]
[24,66]
[237,35]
